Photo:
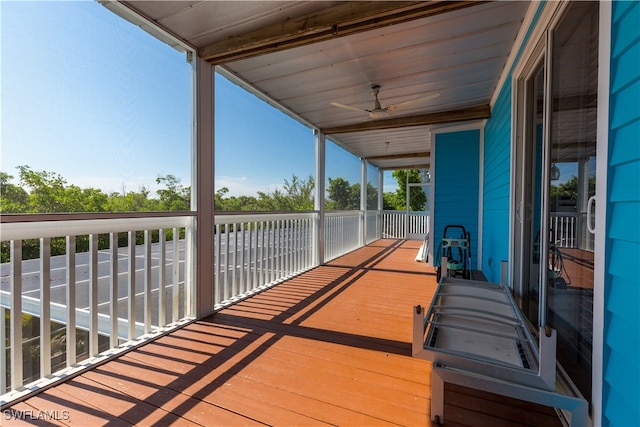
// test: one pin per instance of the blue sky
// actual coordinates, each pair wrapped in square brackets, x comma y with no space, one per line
[95,99]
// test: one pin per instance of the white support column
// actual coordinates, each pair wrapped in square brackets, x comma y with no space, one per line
[407,193]
[380,203]
[319,242]
[363,201]
[203,188]
[380,189]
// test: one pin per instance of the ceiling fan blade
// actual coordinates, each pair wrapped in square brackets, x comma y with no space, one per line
[401,105]
[348,107]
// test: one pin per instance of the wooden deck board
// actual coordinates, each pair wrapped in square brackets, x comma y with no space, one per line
[331,346]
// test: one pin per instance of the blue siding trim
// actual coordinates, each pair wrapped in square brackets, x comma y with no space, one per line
[621,365]
[457,168]
[497,181]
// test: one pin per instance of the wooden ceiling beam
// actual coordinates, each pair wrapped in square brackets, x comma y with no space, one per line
[398,156]
[479,112]
[407,167]
[349,17]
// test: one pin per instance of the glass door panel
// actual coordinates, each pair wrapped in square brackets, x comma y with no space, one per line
[555,178]
[532,206]
[572,181]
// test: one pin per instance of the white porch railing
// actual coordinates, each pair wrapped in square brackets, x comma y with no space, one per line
[111,295]
[400,225]
[134,278]
[564,229]
[343,233]
[254,251]
[373,223]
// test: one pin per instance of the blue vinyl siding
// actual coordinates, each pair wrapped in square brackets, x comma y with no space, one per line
[497,172]
[621,370]
[457,169]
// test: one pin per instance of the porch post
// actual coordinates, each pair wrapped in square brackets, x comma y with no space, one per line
[363,201]
[380,189]
[203,189]
[318,238]
[407,192]
[380,202]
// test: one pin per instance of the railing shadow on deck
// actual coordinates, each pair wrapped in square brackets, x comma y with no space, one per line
[209,352]
[275,329]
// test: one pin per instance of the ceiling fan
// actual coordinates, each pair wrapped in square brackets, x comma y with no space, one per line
[377,111]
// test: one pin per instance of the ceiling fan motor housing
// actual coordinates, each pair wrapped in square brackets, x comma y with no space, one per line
[377,110]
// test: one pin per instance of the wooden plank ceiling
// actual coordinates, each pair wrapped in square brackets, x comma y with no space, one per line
[439,61]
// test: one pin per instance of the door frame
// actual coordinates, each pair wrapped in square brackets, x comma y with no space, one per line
[531,54]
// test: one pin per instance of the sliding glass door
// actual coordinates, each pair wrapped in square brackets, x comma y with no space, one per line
[555,187]
[572,157]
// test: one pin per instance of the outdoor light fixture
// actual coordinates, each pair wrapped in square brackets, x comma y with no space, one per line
[555,172]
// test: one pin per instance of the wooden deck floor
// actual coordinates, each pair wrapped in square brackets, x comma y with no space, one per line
[331,346]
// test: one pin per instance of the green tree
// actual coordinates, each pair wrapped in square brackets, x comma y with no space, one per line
[49,193]
[300,193]
[219,202]
[47,190]
[390,202]
[272,202]
[372,197]
[567,191]
[13,199]
[85,199]
[296,195]
[131,201]
[417,197]
[175,197]
[342,195]
[240,203]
